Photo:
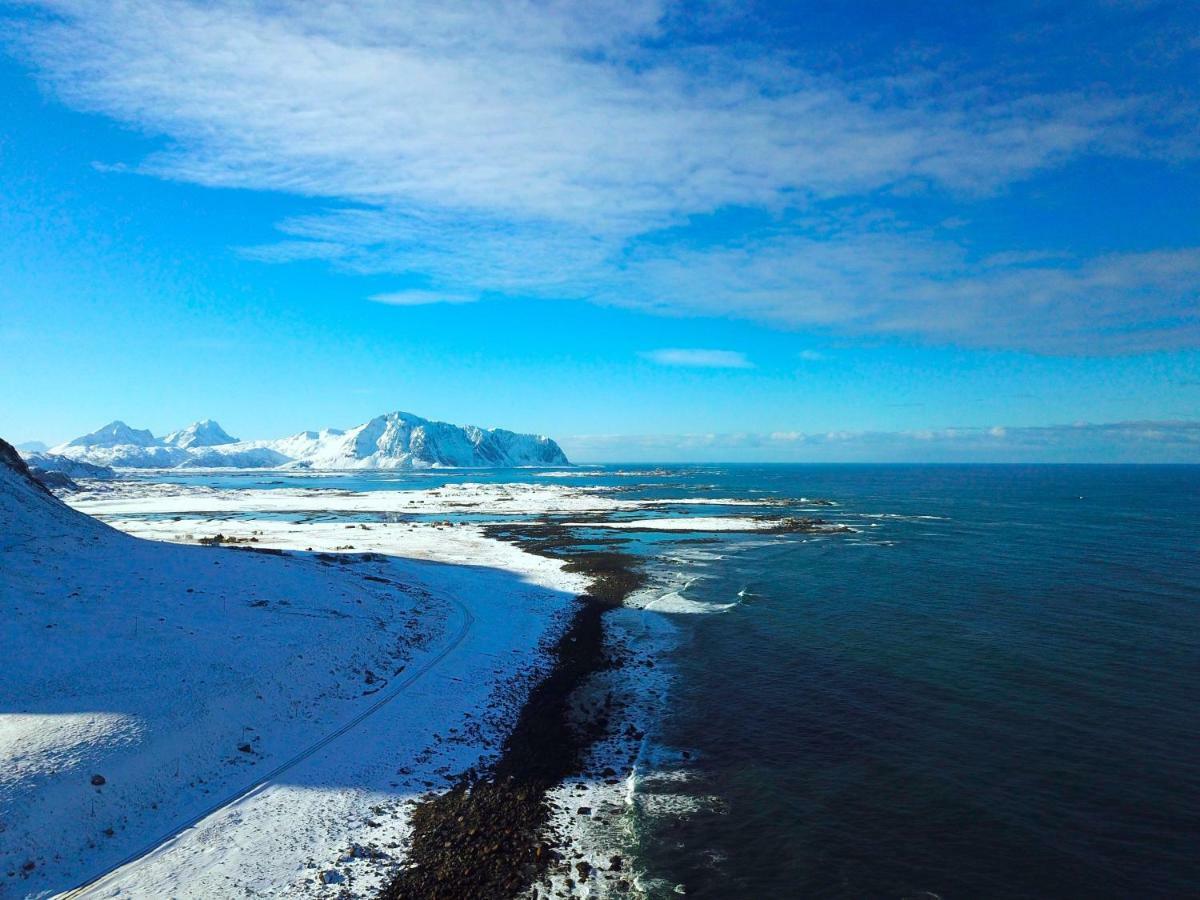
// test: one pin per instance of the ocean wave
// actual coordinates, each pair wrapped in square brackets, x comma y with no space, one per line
[902,517]
[675,602]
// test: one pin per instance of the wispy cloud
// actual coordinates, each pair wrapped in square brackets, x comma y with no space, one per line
[699,359]
[870,282]
[556,111]
[1142,441]
[532,148]
[421,298]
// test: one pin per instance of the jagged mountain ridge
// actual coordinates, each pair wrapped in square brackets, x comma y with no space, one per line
[393,440]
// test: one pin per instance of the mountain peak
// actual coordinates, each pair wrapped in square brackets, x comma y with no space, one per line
[115,434]
[206,433]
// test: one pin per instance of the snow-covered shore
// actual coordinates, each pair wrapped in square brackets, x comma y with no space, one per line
[468,497]
[182,675]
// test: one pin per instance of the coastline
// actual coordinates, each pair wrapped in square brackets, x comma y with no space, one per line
[549,746]
[344,824]
[487,837]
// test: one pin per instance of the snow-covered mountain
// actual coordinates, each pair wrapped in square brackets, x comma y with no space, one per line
[115,434]
[199,434]
[393,441]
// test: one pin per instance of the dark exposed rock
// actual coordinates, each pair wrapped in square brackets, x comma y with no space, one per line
[485,838]
[53,480]
[10,457]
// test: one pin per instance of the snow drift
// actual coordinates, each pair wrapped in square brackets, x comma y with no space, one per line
[393,441]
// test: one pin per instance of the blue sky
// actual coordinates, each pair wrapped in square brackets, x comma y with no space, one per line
[650,230]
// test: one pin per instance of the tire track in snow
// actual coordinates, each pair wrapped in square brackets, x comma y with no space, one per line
[102,879]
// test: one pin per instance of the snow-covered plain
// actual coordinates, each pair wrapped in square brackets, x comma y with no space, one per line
[513,498]
[184,676]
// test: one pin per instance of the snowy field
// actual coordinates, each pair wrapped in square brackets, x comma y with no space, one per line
[514,498]
[259,723]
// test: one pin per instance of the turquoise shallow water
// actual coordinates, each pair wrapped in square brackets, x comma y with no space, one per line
[991,689]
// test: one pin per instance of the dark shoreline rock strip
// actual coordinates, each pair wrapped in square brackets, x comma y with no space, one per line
[485,837]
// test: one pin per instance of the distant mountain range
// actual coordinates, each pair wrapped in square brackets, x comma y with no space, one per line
[396,440]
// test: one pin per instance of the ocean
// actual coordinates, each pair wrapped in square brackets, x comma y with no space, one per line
[989,688]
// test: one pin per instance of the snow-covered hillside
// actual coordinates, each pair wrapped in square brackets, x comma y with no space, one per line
[72,468]
[263,722]
[394,440]
[139,677]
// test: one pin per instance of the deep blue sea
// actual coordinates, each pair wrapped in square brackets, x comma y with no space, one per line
[990,689]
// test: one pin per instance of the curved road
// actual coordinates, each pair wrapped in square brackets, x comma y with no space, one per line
[101,879]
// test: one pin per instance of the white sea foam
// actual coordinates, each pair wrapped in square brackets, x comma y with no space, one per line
[610,826]
[675,602]
[903,517]
[687,523]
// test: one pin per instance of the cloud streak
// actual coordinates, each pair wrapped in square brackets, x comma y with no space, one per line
[699,359]
[420,298]
[1139,441]
[539,149]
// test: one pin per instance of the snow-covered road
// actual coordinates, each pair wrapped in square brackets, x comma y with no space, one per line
[109,882]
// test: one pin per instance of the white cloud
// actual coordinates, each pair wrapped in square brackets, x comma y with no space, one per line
[531,148]
[1137,441]
[700,359]
[868,282]
[557,112]
[421,298]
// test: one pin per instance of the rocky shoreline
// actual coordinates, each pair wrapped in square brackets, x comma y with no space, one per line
[488,836]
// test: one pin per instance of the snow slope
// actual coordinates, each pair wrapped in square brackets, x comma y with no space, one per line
[394,440]
[182,674]
[135,661]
